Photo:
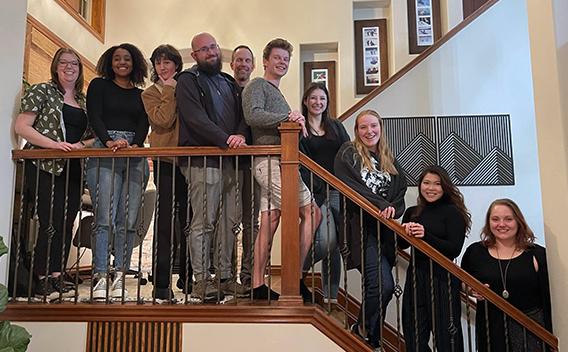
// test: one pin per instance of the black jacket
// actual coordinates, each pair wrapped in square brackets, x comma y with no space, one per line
[348,169]
[196,114]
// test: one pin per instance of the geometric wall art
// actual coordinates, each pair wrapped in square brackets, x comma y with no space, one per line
[475,150]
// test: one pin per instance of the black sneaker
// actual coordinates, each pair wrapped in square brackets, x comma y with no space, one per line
[262,292]
[43,288]
[60,285]
[180,283]
[163,293]
[305,292]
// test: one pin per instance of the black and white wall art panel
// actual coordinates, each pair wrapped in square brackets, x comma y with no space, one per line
[475,150]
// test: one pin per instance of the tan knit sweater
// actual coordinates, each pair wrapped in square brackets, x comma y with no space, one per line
[160,104]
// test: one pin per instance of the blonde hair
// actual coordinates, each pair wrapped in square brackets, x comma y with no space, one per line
[386,159]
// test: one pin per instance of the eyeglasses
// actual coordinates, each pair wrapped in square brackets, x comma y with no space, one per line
[65,63]
[205,49]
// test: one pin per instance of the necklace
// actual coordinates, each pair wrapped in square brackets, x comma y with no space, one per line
[505,293]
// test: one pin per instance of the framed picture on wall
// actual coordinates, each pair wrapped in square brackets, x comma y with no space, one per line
[424,25]
[371,54]
[322,71]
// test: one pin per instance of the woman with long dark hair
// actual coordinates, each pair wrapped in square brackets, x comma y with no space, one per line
[513,266]
[369,168]
[53,117]
[325,136]
[442,220]
[117,114]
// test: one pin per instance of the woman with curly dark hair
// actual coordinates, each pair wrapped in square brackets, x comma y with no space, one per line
[442,220]
[117,114]
[513,266]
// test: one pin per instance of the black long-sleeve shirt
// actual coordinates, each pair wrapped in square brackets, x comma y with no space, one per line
[444,229]
[111,107]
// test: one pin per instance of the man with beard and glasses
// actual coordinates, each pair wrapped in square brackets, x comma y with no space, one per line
[210,113]
[242,64]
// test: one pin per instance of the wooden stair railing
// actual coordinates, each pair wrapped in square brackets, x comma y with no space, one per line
[535,328]
[418,59]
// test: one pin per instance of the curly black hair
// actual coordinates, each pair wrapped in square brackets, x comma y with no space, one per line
[139,65]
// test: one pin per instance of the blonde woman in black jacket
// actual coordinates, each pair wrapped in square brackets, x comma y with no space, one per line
[369,168]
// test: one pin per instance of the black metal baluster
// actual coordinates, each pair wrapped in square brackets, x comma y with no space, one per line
[328,256]
[186,233]
[252,221]
[397,293]
[270,240]
[172,232]
[94,227]
[36,233]
[63,262]
[50,232]
[362,328]
[313,251]
[235,231]
[433,303]
[452,329]
[468,318]
[156,234]
[414,296]
[506,328]
[139,299]
[382,312]
[218,236]
[125,245]
[23,199]
[345,248]
[79,229]
[111,234]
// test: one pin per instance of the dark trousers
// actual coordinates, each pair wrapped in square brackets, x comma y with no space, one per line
[378,289]
[57,207]
[166,177]
[428,318]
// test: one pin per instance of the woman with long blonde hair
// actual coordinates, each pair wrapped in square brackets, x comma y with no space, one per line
[368,166]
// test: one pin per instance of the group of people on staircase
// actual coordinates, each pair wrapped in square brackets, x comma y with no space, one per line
[208,197]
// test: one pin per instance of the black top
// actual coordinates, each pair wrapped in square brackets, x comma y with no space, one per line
[444,229]
[348,168]
[322,149]
[528,289]
[111,107]
[75,121]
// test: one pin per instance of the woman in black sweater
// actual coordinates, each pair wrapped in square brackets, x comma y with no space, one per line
[369,168]
[117,114]
[325,136]
[440,219]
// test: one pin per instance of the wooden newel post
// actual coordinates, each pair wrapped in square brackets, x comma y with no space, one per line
[290,228]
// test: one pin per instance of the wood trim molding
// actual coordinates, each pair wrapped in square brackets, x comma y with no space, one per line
[421,57]
[435,255]
[241,314]
[97,27]
[54,38]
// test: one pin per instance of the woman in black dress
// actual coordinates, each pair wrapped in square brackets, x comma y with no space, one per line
[440,219]
[509,262]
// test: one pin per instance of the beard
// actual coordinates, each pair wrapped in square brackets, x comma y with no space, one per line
[211,68]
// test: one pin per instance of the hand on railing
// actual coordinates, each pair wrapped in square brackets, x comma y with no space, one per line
[414,229]
[236,140]
[388,212]
[472,293]
[116,145]
[296,116]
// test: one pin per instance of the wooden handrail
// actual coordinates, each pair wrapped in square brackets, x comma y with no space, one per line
[535,328]
[421,57]
[144,152]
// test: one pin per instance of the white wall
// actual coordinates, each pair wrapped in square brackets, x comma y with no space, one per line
[485,69]
[58,336]
[12,34]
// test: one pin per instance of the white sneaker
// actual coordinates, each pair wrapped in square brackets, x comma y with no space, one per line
[100,289]
[116,287]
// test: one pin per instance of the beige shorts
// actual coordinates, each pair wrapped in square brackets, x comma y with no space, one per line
[271,187]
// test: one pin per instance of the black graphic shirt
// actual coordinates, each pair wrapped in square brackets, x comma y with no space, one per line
[378,181]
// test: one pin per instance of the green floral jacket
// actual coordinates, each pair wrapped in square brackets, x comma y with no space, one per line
[45,100]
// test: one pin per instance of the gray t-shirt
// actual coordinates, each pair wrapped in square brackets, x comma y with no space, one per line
[264,108]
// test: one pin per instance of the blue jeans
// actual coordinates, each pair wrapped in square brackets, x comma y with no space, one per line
[375,298]
[325,241]
[122,182]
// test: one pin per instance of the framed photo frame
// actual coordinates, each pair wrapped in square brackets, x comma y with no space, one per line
[424,24]
[322,71]
[371,54]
